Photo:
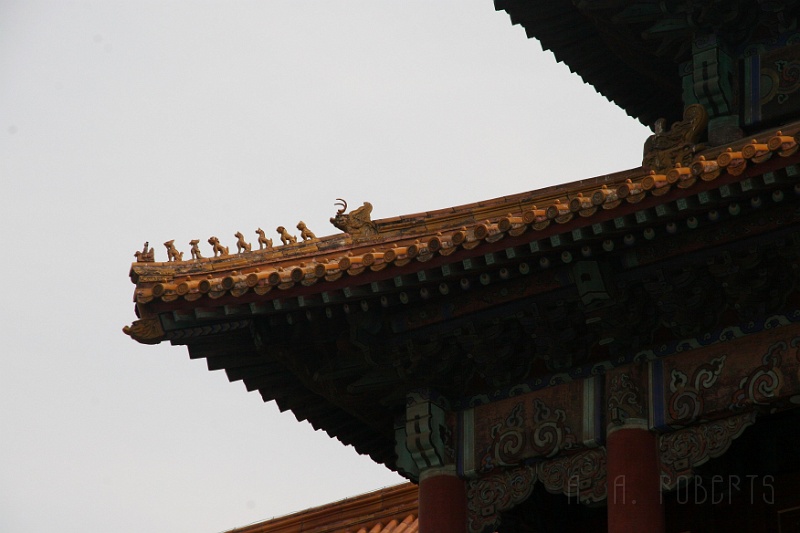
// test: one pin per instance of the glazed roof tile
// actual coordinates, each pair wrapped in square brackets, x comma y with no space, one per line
[389,510]
[410,524]
[425,236]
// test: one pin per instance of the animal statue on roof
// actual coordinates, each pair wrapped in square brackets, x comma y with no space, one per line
[195,249]
[286,237]
[358,223]
[146,255]
[241,244]
[263,241]
[666,148]
[172,253]
[305,233]
[218,248]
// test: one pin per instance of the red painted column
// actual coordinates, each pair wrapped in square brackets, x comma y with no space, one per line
[634,484]
[442,501]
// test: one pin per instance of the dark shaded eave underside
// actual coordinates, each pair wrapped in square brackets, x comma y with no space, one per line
[242,361]
[642,92]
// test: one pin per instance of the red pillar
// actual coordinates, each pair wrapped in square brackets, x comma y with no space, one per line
[634,484]
[442,502]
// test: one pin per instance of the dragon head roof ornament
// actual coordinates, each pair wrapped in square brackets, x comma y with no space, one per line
[358,223]
[678,145]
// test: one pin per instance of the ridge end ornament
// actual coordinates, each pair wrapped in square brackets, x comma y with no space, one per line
[146,255]
[358,223]
[145,331]
[665,149]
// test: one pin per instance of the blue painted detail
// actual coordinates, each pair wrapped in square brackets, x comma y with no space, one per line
[657,418]
[752,113]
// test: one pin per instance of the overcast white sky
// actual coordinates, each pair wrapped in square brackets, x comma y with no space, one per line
[122,122]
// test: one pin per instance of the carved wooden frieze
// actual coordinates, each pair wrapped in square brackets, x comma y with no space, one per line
[494,493]
[563,419]
[626,396]
[683,450]
[714,382]
[688,390]
[580,477]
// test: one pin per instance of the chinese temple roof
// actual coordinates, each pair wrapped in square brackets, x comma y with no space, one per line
[525,290]
[394,246]
[389,510]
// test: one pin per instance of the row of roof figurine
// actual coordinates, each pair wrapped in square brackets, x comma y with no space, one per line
[147,255]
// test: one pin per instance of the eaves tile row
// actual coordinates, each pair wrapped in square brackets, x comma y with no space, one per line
[389,510]
[420,237]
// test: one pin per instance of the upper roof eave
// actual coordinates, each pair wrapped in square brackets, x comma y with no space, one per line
[619,69]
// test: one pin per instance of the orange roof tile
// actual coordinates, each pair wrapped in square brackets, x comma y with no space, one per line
[389,510]
[424,236]
[410,524]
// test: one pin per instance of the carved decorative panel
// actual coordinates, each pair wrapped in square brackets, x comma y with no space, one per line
[563,419]
[682,450]
[772,83]
[626,395]
[717,381]
[580,477]
[494,493]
